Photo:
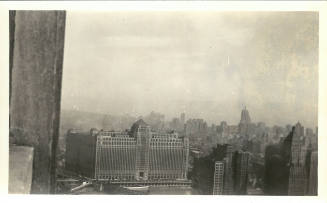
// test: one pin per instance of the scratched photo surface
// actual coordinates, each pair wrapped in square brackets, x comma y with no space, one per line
[165,102]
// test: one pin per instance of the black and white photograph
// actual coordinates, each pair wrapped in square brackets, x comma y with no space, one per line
[163,102]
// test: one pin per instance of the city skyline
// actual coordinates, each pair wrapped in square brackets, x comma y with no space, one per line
[208,65]
[187,102]
[177,116]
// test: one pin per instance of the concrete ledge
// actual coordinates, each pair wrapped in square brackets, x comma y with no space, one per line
[20,169]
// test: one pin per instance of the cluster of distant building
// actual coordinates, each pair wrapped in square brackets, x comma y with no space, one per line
[221,159]
[246,136]
[283,159]
[290,168]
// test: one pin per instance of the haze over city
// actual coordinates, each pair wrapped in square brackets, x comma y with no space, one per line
[208,65]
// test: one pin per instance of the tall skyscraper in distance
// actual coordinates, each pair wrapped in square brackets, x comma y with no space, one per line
[245,126]
[218,178]
[245,117]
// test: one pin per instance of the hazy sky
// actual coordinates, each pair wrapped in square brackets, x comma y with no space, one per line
[206,64]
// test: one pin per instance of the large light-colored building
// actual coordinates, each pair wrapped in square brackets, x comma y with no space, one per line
[136,155]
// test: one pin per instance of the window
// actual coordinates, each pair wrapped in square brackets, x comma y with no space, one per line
[142,174]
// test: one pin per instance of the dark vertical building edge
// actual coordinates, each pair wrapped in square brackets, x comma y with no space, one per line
[45,133]
[60,39]
[11,48]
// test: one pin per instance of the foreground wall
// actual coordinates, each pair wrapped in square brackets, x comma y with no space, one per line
[37,43]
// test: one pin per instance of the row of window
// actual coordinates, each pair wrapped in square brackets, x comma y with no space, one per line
[110,159]
[165,140]
[166,176]
[116,143]
[116,177]
[116,139]
[153,139]
[155,144]
[166,145]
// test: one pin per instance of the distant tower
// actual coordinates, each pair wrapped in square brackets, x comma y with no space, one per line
[245,122]
[245,117]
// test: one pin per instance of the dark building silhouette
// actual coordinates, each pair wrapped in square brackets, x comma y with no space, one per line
[203,175]
[225,153]
[222,172]
[288,165]
[204,171]
[313,174]
[276,172]
[297,175]
[240,167]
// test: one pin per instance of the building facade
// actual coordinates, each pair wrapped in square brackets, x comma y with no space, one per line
[288,166]
[136,155]
[218,178]
[241,166]
[297,173]
[313,174]
[224,154]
